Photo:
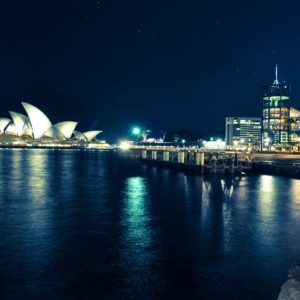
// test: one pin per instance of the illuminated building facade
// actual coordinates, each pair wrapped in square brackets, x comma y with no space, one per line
[37,126]
[294,125]
[276,114]
[243,132]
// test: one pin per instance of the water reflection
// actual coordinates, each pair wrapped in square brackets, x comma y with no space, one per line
[15,171]
[137,235]
[267,193]
[295,190]
[89,225]
[37,176]
[136,218]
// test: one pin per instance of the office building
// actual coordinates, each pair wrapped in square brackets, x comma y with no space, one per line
[243,132]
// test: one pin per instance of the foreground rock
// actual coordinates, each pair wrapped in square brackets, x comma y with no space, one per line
[291,288]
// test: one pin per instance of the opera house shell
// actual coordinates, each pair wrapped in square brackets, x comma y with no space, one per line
[37,126]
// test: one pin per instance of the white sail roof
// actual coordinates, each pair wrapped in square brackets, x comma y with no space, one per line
[90,135]
[54,133]
[11,129]
[40,123]
[79,135]
[22,123]
[3,123]
[66,128]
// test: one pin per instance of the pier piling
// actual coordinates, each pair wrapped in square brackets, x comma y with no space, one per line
[195,160]
[166,156]
[154,155]
[181,157]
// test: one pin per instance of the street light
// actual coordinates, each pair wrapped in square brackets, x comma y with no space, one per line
[124,145]
[267,140]
[136,130]
[235,143]
[267,143]
[218,142]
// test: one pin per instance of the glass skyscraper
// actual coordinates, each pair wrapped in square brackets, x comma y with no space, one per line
[276,114]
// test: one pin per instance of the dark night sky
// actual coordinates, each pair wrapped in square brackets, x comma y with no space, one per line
[166,65]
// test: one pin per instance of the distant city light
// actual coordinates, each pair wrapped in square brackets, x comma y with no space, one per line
[214,145]
[124,145]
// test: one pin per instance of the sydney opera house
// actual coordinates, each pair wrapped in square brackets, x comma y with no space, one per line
[35,127]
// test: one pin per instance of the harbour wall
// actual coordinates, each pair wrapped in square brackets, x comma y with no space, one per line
[277,168]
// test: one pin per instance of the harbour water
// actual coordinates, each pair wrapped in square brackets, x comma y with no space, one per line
[88,224]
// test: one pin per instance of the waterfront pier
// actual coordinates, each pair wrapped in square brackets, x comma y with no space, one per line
[197,161]
[202,161]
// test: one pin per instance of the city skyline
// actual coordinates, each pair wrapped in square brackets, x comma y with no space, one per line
[150,149]
[119,64]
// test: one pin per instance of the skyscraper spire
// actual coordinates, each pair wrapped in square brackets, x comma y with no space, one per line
[276,75]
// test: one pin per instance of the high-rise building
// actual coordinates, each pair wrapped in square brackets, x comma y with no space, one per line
[243,132]
[294,125]
[276,114]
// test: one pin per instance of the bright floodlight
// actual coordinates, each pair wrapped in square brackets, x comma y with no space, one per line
[136,131]
[124,145]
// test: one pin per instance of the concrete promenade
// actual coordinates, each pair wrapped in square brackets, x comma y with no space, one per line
[277,157]
[277,164]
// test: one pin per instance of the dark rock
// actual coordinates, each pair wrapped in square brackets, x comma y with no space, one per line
[294,271]
[291,288]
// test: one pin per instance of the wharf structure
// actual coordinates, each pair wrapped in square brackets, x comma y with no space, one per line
[204,161]
[197,161]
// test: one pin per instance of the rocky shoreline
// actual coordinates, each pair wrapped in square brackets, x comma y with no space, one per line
[291,288]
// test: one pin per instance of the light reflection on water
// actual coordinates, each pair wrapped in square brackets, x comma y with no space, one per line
[136,219]
[87,224]
[137,241]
